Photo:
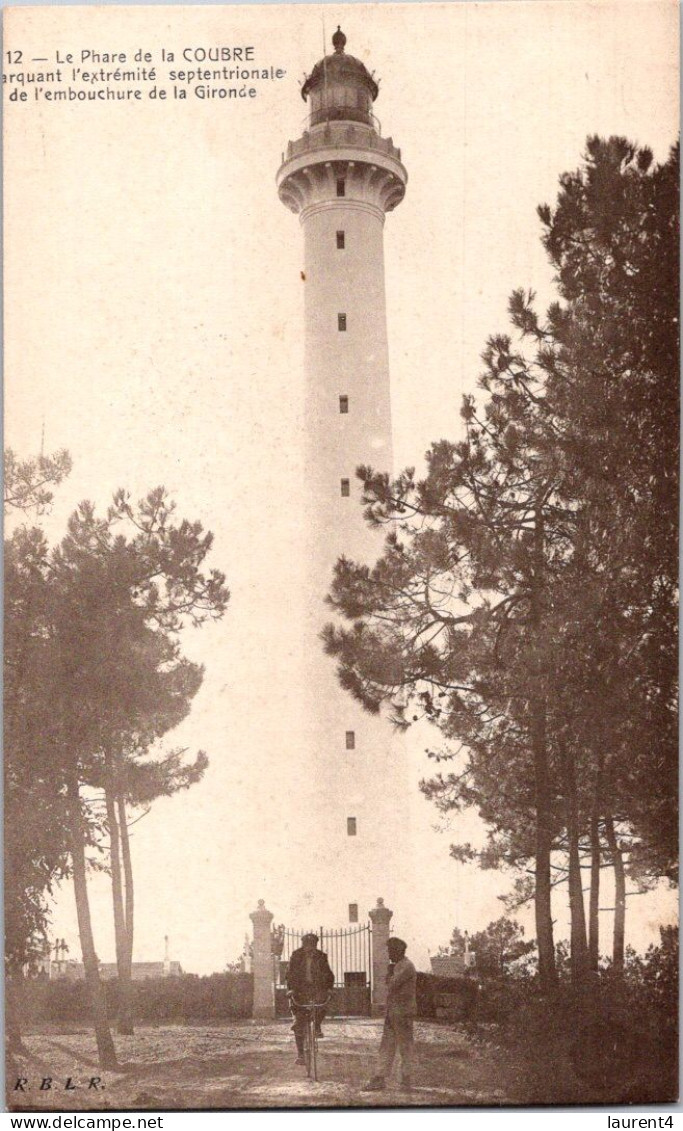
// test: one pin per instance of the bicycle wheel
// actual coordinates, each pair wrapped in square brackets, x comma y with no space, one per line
[313,1041]
[313,1049]
[308,1048]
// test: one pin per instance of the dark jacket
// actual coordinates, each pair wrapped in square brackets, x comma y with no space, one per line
[321,977]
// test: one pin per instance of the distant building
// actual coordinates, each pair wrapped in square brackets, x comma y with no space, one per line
[449,966]
[54,965]
[75,972]
[453,965]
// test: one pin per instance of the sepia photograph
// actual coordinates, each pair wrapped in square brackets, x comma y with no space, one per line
[341,472]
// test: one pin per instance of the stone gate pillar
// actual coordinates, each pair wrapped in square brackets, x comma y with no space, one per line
[262,964]
[381,917]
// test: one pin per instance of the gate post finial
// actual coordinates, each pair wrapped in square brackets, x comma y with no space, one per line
[381,918]
[262,963]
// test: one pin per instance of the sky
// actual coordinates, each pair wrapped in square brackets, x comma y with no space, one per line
[153,317]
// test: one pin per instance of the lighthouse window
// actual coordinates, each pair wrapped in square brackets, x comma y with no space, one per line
[350,740]
[341,186]
[341,241]
[341,321]
[353,913]
[346,488]
[351,826]
[343,404]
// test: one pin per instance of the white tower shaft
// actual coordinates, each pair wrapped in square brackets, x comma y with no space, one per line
[341,178]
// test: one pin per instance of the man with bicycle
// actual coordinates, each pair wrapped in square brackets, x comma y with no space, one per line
[309,979]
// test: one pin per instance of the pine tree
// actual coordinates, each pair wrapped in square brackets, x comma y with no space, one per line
[103,622]
[525,601]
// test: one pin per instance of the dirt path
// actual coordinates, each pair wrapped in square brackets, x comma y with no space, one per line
[251,1065]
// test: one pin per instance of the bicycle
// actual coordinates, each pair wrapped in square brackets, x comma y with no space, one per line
[310,1034]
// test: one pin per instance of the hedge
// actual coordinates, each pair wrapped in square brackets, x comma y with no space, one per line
[219,997]
[181,999]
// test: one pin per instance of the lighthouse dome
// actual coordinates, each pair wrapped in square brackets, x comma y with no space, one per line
[340,87]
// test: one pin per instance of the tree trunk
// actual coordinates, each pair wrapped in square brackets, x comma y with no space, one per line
[579,948]
[125,1022]
[14,986]
[594,903]
[542,903]
[619,897]
[105,1043]
[544,836]
[129,890]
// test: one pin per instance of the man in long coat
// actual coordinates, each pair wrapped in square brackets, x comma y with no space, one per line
[309,979]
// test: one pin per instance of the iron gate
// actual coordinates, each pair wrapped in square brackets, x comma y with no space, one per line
[349,953]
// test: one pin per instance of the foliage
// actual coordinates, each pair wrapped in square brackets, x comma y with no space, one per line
[525,600]
[27,483]
[94,677]
[655,975]
[36,828]
[617,1044]
[497,949]
[87,666]
[611,365]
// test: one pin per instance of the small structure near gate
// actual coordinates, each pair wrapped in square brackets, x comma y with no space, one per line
[457,987]
[453,965]
[357,955]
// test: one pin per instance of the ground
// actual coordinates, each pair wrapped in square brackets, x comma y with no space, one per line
[251,1065]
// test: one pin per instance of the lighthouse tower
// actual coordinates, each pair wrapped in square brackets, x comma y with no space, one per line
[341,177]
